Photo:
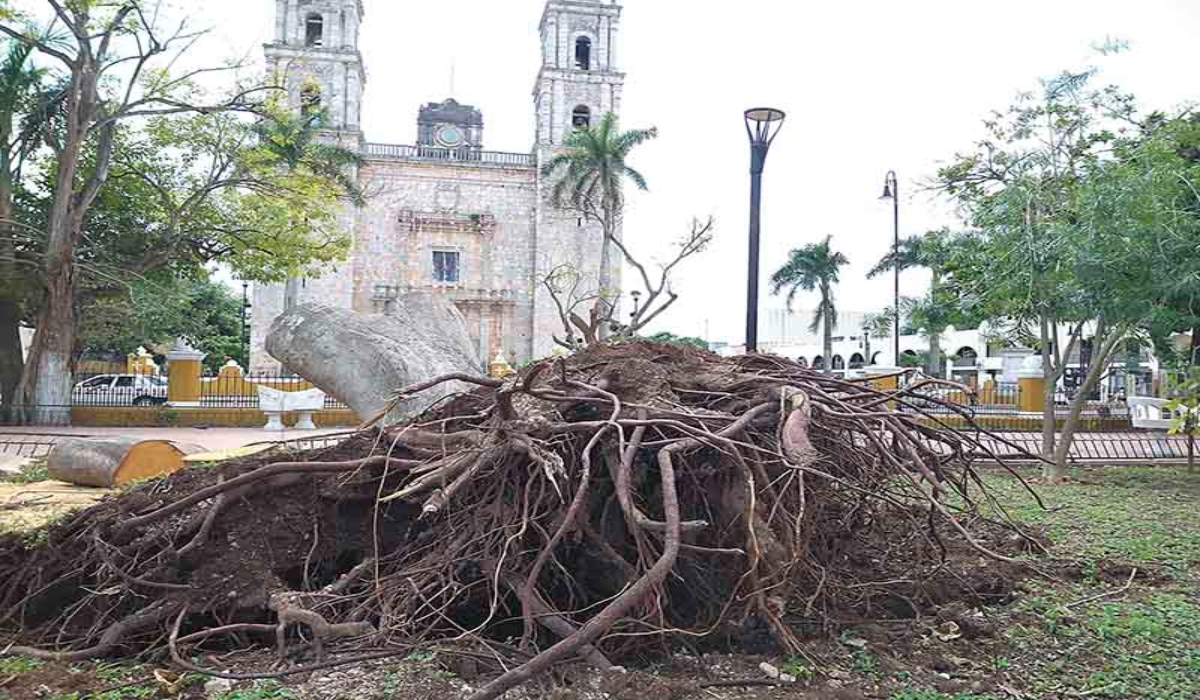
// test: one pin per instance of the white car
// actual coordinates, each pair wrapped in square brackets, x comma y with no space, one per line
[121,390]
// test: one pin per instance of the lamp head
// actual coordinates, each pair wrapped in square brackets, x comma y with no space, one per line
[887,195]
[763,125]
[765,114]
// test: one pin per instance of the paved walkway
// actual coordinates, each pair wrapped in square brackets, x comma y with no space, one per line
[35,441]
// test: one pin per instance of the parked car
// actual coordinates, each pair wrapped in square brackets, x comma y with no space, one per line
[121,390]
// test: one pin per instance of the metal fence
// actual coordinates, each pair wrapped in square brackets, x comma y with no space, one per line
[119,390]
[232,391]
[216,391]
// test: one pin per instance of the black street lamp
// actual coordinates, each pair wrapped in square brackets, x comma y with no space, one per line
[245,328]
[891,191]
[762,126]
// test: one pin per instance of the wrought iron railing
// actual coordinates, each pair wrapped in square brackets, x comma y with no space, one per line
[225,391]
[451,155]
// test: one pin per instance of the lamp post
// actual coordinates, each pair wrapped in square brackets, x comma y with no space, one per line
[891,191]
[762,126]
[245,330]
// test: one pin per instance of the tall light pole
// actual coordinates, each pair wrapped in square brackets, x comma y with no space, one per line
[891,190]
[762,126]
[245,328]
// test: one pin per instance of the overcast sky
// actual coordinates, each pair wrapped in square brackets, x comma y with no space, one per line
[868,86]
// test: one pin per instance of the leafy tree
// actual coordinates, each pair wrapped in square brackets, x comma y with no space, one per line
[684,340]
[814,267]
[114,62]
[1184,404]
[589,174]
[1081,220]
[153,313]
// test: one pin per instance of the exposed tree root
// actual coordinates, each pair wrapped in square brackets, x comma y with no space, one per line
[592,507]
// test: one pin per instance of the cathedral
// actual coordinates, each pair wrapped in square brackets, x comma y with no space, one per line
[445,215]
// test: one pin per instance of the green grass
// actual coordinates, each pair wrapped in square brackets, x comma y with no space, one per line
[16,665]
[32,472]
[912,694]
[1143,642]
[261,690]
[1134,514]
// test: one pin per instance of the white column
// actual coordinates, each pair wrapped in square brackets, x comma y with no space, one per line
[612,45]
[352,24]
[333,29]
[280,21]
[564,42]
[292,33]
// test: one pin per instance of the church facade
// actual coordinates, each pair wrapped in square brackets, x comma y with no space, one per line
[445,215]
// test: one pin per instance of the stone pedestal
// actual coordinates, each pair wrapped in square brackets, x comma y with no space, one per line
[183,375]
[883,377]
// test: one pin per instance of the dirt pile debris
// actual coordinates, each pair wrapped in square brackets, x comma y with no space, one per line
[601,506]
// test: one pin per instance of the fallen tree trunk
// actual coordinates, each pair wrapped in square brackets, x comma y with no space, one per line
[106,462]
[363,359]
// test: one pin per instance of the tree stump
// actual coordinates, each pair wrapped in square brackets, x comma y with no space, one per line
[106,462]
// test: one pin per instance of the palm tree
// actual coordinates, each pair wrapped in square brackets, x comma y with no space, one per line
[589,173]
[294,139]
[876,326]
[813,267]
[930,251]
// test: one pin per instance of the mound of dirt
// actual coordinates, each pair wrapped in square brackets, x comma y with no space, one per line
[601,506]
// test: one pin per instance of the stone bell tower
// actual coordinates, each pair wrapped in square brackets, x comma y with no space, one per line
[579,81]
[315,55]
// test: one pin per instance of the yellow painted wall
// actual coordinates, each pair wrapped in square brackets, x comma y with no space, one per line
[233,384]
[167,417]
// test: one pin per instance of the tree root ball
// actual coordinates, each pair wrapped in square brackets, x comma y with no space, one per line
[602,506]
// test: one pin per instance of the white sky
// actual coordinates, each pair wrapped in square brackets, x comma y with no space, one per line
[868,86]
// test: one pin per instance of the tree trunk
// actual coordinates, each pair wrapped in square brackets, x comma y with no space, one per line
[11,361]
[1195,347]
[1056,473]
[934,361]
[828,339]
[605,277]
[46,385]
[1192,451]
[1049,373]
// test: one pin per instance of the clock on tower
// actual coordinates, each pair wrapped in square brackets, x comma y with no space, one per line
[450,125]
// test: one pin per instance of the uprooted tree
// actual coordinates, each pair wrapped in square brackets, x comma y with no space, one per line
[589,315]
[614,502]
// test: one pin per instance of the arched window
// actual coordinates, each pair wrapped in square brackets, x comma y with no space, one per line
[966,357]
[856,361]
[310,100]
[581,118]
[838,362]
[583,53]
[875,357]
[802,361]
[818,362]
[314,30]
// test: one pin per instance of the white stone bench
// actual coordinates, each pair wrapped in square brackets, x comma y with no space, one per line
[274,403]
[1147,413]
